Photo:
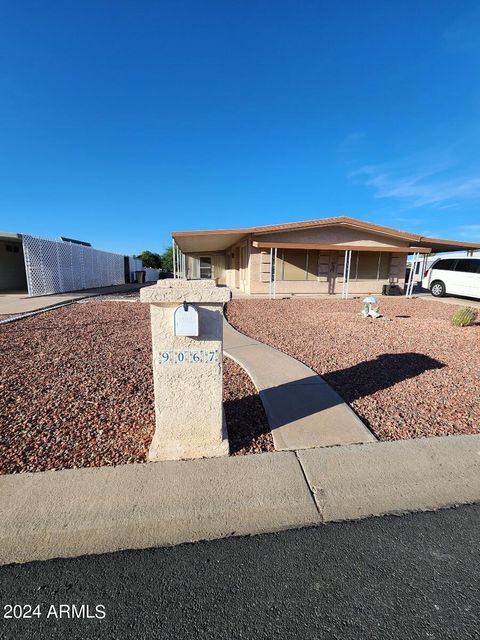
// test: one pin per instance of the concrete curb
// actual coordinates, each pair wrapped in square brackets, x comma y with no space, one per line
[83,511]
[393,477]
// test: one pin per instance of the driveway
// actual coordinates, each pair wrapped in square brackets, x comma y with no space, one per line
[18,302]
[464,302]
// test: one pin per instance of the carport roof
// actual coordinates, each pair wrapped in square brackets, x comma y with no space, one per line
[7,235]
[221,239]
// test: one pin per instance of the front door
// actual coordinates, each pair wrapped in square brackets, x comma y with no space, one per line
[243,268]
[333,271]
[237,268]
[205,267]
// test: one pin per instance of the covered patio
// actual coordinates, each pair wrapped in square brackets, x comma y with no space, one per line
[332,256]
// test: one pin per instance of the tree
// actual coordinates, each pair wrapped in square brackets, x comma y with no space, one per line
[151,259]
[167,259]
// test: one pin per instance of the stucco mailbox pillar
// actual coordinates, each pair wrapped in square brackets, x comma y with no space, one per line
[187,350]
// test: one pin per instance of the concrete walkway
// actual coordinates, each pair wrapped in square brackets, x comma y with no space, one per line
[82,511]
[17,303]
[302,409]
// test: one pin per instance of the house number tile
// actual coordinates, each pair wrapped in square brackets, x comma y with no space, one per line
[189,357]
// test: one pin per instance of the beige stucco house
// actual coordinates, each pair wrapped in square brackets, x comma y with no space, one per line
[312,257]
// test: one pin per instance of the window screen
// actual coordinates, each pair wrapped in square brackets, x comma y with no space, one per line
[367,265]
[294,264]
[312,264]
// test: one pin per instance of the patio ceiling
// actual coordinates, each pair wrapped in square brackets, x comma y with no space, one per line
[207,241]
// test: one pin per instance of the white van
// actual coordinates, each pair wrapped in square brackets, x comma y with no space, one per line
[456,276]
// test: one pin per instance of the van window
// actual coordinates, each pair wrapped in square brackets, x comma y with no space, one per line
[468,266]
[445,265]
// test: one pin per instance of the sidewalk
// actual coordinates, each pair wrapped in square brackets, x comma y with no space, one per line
[302,409]
[83,511]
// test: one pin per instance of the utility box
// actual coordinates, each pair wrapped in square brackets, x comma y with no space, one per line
[187,355]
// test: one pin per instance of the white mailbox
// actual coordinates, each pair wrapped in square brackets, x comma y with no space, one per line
[185,320]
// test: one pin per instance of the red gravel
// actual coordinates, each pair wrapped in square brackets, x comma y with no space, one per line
[76,390]
[409,374]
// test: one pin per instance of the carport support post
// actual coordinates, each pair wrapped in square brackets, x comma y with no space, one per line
[187,369]
[411,276]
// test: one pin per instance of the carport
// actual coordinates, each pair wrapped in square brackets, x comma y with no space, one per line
[12,264]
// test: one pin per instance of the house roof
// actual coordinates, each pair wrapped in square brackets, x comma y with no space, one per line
[220,239]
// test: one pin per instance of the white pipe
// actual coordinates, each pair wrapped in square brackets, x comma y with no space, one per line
[271,272]
[411,275]
[174,260]
[275,273]
[344,274]
[348,272]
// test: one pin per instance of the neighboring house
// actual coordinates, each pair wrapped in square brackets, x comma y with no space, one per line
[312,257]
[41,266]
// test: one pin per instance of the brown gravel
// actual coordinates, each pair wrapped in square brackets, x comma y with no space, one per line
[76,390]
[409,374]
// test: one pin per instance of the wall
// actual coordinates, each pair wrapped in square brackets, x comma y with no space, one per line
[332,235]
[12,266]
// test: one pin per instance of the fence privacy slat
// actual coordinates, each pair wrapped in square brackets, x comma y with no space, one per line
[54,266]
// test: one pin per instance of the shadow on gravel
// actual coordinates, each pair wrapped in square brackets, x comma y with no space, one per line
[368,377]
[246,423]
[296,400]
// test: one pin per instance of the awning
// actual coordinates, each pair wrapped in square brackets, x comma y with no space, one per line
[339,247]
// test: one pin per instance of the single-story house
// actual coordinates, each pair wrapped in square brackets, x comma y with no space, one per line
[323,256]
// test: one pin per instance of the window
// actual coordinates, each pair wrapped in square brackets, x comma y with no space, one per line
[312,264]
[294,265]
[12,248]
[445,265]
[468,266]
[205,267]
[370,265]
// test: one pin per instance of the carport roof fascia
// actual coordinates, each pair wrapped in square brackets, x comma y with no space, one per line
[10,235]
[436,244]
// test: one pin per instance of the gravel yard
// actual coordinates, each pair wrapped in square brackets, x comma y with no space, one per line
[76,390]
[408,374]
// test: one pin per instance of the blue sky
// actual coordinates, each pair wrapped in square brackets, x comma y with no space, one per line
[120,121]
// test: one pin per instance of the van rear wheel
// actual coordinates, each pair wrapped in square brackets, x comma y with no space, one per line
[437,289]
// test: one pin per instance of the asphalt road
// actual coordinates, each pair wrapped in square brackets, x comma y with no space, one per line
[409,577]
